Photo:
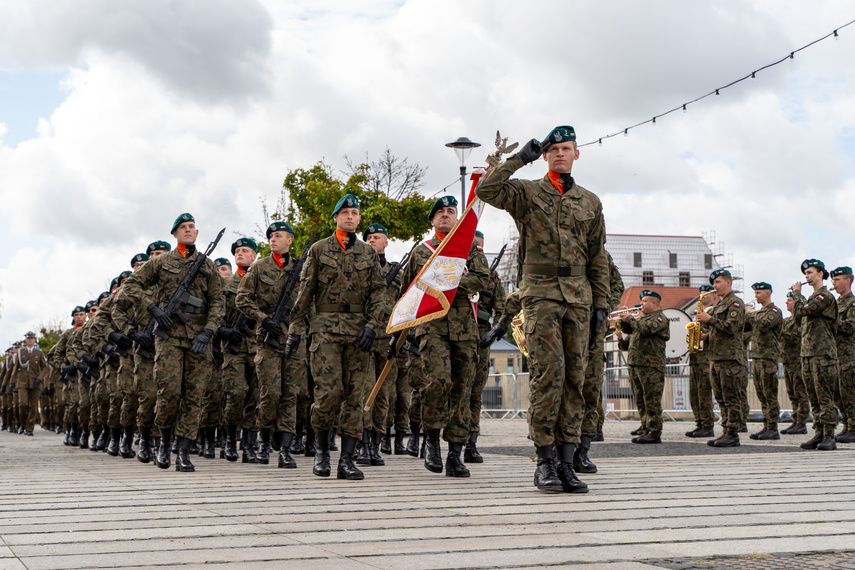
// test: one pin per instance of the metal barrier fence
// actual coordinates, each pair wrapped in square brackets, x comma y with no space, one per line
[506,396]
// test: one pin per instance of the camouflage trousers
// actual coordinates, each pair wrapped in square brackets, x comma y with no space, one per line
[279,382]
[146,390]
[637,395]
[213,401]
[797,391]
[482,371]
[449,369]
[28,407]
[766,387]
[240,390]
[71,399]
[115,398]
[592,391]
[557,339]
[822,376]
[84,402]
[181,377]
[700,391]
[128,390]
[417,382]
[342,378]
[730,380]
[375,418]
[846,395]
[306,398]
[399,398]
[105,389]
[651,381]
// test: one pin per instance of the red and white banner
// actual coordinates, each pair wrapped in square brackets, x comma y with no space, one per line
[432,291]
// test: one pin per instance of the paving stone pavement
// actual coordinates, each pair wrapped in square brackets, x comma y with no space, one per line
[672,506]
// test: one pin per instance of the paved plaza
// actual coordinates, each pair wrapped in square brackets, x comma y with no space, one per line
[677,505]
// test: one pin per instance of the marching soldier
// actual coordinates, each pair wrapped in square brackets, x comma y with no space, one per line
[564,285]
[791,345]
[74,355]
[649,333]
[841,279]
[31,370]
[183,362]
[341,281]
[449,348]
[700,387]
[766,325]
[224,267]
[5,391]
[726,323]
[819,351]
[70,395]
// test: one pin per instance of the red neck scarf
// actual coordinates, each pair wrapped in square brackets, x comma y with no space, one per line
[182,249]
[279,259]
[341,236]
[241,271]
[77,326]
[555,178]
[440,235]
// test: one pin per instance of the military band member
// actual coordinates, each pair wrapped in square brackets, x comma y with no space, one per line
[700,386]
[564,285]
[183,361]
[766,325]
[726,322]
[341,281]
[841,279]
[791,345]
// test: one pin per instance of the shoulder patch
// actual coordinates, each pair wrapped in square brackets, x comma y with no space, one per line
[820,297]
[732,313]
[659,319]
[736,304]
[479,248]
[774,310]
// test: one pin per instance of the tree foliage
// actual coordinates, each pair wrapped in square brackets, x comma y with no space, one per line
[49,335]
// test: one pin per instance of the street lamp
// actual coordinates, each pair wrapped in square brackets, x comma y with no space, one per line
[462,147]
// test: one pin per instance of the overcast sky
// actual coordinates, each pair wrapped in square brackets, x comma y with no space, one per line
[115,117]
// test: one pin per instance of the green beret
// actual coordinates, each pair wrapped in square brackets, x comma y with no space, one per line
[220,261]
[649,293]
[844,270]
[704,288]
[718,273]
[479,233]
[560,134]
[102,296]
[30,334]
[245,242]
[185,217]
[444,202]
[761,286]
[137,258]
[812,263]
[158,245]
[123,275]
[90,304]
[280,227]
[789,294]
[374,229]
[347,201]
[113,283]
[77,309]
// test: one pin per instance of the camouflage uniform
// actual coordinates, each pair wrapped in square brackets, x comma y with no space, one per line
[491,303]
[727,359]
[766,325]
[239,381]
[6,395]
[375,418]
[700,386]
[73,354]
[399,407]
[69,388]
[791,343]
[845,339]
[346,290]
[180,374]
[646,360]
[104,325]
[563,272]
[819,354]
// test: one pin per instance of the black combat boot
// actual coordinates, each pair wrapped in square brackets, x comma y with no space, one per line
[453,465]
[322,454]
[730,439]
[413,443]
[67,440]
[545,474]
[84,438]
[743,429]
[208,450]
[798,429]
[201,437]
[310,442]
[333,446]
[771,433]
[144,454]
[598,437]
[787,429]
[433,452]
[757,435]
[828,443]
[113,443]
[637,431]
[194,448]
[126,446]
[691,432]
[285,459]
[400,448]
[812,442]
[297,447]
[470,454]
[231,443]
[711,442]
[182,461]
[374,449]
[363,456]
[96,435]
[248,439]
[847,436]
[174,447]
[386,442]
[703,432]
[581,463]
[647,437]
[74,438]
[274,441]
[569,481]
[263,456]
[164,450]
[346,468]
[103,438]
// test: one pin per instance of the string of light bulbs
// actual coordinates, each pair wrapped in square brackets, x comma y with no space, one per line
[716,92]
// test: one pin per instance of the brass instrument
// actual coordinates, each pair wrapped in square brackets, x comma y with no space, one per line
[693,329]
[518,334]
[627,310]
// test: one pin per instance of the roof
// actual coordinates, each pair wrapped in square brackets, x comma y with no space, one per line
[502,345]
[672,297]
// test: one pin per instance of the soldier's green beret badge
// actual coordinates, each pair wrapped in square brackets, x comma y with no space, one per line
[113,283]
[560,134]
[444,202]
[649,293]
[346,201]
[138,258]
[705,288]
[245,242]
[844,270]
[102,296]
[374,229]
[220,261]
[90,304]
[185,217]
[812,263]
[718,273]
[789,294]
[77,309]
[158,245]
[761,286]
[280,227]
[123,275]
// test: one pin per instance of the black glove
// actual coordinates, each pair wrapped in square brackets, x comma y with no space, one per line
[143,340]
[11,387]
[498,331]
[366,338]
[531,151]
[120,340]
[390,352]
[270,326]
[200,343]
[598,317]
[90,360]
[37,383]
[291,344]
[69,370]
[230,335]
[412,344]
[43,392]
[162,318]
[82,367]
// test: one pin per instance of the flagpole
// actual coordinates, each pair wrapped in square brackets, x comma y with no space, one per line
[380,379]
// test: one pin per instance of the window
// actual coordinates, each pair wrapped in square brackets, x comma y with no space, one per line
[511,365]
[524,367]
[647,278]
[636,259]
[492,366]
[672,260]
[708,261]
[685,280]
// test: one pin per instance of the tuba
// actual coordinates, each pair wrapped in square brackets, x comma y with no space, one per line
[693,329]
[518,334]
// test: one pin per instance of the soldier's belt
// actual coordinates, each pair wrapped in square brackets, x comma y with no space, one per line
[340,308]
[461,301]
[555,270]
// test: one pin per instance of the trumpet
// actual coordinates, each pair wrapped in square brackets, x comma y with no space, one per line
[518,334]
[627,310]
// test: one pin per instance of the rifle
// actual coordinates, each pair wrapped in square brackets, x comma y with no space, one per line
[181,298]
[393,273]
[243,324]
[282,314]
[483,316]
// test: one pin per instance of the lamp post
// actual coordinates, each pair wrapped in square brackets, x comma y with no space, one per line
[462,147]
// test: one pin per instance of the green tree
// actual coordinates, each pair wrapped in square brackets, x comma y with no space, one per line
[49,335]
